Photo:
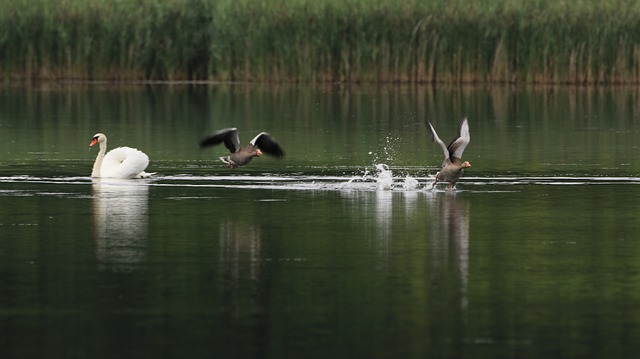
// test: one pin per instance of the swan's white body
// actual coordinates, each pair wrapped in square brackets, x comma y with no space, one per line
[121,162]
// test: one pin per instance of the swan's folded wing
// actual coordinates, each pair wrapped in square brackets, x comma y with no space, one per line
[124,162]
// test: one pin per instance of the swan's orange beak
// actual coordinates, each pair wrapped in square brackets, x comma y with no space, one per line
[467,164]
[258,152]
[93,142]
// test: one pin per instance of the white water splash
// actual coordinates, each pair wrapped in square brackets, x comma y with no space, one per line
[382,178]
[410,183]
[385,177]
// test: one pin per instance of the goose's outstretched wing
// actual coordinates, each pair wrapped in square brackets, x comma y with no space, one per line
[228,135]
[267,144]
[437,139]
[457,146]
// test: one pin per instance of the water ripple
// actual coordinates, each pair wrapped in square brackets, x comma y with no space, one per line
[381,179]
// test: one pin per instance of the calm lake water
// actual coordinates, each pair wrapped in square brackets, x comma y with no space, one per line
[339,250]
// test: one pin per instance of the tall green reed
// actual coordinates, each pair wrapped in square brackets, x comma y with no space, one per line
[437,41]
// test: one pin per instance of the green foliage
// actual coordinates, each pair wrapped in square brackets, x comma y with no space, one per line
[444,41]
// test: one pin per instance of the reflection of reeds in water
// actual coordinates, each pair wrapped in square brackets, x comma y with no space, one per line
[120,219]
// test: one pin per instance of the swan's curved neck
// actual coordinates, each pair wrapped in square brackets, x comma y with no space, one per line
[98,163]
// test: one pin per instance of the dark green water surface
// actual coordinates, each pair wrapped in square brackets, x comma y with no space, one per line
[323,254]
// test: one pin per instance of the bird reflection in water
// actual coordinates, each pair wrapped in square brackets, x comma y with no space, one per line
[244,274]
[379,229]
[449,242]
[120,223]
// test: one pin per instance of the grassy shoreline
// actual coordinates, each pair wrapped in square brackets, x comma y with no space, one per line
[439,41]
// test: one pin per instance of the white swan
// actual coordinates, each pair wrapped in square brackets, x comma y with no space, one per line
[121,162]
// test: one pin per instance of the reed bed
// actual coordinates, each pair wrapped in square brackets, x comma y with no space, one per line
[408,41]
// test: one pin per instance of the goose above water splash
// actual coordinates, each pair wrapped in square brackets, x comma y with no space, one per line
[452,167]
[240,156]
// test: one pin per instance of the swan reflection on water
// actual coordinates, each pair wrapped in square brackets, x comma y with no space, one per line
[120,223]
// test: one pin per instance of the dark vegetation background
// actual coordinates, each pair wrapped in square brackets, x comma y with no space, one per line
[436,41]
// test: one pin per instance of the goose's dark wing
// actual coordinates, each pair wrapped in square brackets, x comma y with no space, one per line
[267,144]
[228,135]
[437,139]
[457,146]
